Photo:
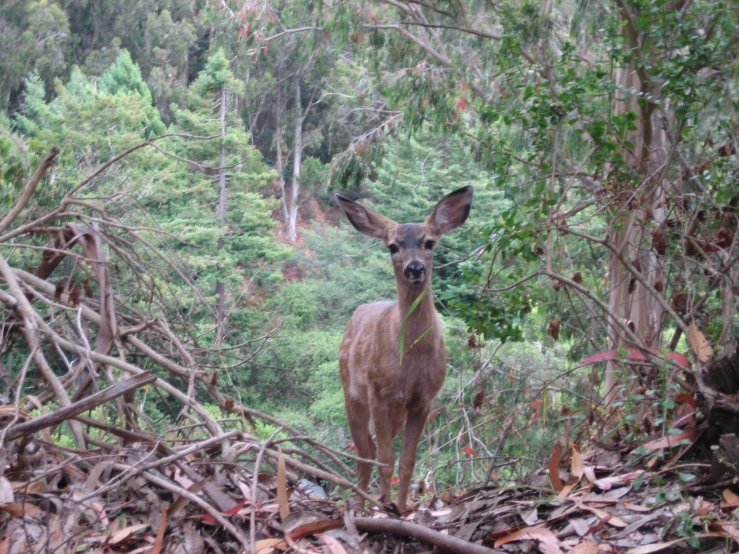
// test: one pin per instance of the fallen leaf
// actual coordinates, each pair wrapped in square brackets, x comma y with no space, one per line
[578,466]
[21,509]
[699,343]
[333,545]
[266,546]
[656,547]
[120,536]
[282,498]
[609,518]
[183,501]
[314,527]
[586,547]
[538,533]
[732,500]
[159,543]
[636,507]
[671,440]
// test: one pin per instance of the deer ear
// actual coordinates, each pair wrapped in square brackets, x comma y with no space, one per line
[366,221]
[452,211]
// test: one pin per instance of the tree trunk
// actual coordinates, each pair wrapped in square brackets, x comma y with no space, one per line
[220,288]
[279,162]
[629,300]
[292,221]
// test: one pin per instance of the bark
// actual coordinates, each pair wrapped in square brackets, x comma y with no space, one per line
[629,300]
[279,161]
[292,221]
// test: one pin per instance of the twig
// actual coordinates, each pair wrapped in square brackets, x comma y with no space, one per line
[254,486]
[498,448]
[18,391]
[29,189]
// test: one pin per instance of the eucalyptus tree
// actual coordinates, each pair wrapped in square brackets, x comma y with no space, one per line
[610,127]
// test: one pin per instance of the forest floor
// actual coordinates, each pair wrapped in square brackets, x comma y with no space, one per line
[146,496]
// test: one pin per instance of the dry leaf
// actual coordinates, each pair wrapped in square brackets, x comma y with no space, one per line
[333,545]
[557,483]
[266,546]
[586,547]
[159,543]
[636,507]
[538,533]
[699,343]
[732,500]
[656,547]
[671,440]
[21,509]
[182,501]
[578,466]
[120,536]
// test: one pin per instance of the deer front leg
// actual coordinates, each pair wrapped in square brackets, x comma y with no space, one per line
[413,429]
[384,444]
[358,414]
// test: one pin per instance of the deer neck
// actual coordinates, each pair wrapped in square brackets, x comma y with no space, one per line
[423,317]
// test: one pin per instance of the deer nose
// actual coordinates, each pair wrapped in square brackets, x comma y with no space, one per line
[414,270]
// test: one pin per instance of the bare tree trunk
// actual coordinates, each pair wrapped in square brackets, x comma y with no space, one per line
[220,288]
[279,161]
[630,234]
[292,221]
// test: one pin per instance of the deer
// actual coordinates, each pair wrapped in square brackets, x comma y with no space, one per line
[391,380]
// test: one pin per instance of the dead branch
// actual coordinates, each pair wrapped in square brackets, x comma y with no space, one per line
[84,405]
[408,529]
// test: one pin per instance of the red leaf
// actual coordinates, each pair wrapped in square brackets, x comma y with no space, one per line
[462,104]
[685,397]
[468,450]
[681,359]
[599,357]
[554,477]
[671,440]
[538,533]
[395,480]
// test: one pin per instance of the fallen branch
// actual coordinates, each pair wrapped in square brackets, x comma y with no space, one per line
[85,405]
[408,529]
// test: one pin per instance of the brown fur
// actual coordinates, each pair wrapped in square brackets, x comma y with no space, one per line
[377,387]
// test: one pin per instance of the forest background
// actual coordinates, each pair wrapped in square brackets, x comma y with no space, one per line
[600,137]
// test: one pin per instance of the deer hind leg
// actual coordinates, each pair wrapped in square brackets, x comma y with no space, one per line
[413,429]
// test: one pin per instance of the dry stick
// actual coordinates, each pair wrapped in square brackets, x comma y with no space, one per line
[254,486]
[137,470]
[408,529]
[18,301]
[211,423]
[330,452]
[19,390]
[29,189]
[165,484]
[497,450]
[84,405]
[335,478]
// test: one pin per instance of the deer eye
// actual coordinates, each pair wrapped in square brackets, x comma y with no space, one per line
[393,248]
[429,245]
